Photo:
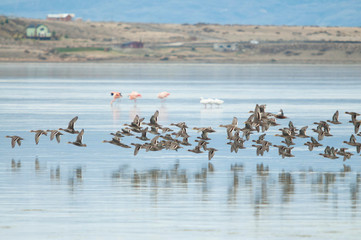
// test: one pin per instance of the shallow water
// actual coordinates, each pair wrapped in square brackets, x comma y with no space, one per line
[60,191]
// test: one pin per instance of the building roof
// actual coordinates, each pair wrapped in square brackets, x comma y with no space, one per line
[61,15]
[38,25]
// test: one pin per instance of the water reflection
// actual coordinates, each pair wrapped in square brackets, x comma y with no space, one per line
[133,112]
[232,190]
[15,166]
[163,113]
[238,186]
[214,112]
[262,170]
[37,165]
[354,191]
[116,113]
[153,178]
[75,178]
[264,188]
[55,173]
[287,186]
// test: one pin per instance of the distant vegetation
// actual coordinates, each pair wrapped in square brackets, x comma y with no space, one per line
[4,21]
[82,41]
[79,49]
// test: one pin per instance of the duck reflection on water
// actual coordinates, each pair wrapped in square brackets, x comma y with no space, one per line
[262,189]
[259,186]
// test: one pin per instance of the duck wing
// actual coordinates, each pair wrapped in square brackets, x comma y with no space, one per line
[261,137]
[357,126]
[235,121]
[144,132]
[18,140]
[14,139]
[313,140]
[210,154]
[154,118]
[335,116]
[154,141]
[352,139]
[58,136]
[52,134]
[303,130]
[37,136]
[137,148]
[79,138]
[72,122]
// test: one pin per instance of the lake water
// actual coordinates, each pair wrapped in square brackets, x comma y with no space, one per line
[60,191]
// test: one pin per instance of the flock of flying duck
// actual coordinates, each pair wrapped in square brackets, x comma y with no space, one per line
[259,121]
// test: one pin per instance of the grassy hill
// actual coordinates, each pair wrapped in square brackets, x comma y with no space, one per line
[99,41]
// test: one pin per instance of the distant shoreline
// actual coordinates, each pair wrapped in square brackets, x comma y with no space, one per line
[118,42]
[188,62]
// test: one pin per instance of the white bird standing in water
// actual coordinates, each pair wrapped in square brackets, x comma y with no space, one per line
[206,101]
[211,101]
[218,101]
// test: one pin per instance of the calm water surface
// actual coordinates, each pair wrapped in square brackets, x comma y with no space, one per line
[60,191]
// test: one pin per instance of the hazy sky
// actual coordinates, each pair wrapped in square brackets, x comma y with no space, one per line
[263,12]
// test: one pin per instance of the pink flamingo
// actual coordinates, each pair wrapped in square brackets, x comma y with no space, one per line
[163,95]
[115,95]
[134,95]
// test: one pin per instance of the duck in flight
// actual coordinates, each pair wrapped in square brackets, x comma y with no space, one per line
[78,142]
[70,128]
[15,140]
[38,133]
[55,134]
[335,118]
